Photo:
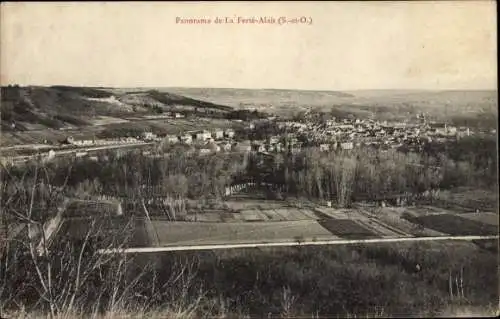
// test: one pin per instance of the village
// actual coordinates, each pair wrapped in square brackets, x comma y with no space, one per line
[351,133]
[285,136]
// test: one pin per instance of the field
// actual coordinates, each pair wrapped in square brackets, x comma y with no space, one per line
[103,230]
[192,233]
[52,113]
[486,218]
[455,225]
[140,236]
[165,126]
[467,199]
[108,127]
[385,104]
[392,216]
[346,228]
[106,120]
[267,221]
[380,229]
[252,204]
[360,279]
[91,208]
[209,216]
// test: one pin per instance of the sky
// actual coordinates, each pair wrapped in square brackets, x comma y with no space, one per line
[348,45]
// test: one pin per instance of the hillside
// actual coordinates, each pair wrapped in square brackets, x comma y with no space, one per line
[267,100]
[476,107]
[38,108]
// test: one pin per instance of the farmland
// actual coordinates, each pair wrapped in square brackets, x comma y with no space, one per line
[346,228]
[108,127]
[455,225]
[164,126]
[487,218]
[91,208]
[103,231]
[261,221]
[467,199]
[188,205]
[336,280]
[38,114]
[393,217]
[191,233]
[383,104]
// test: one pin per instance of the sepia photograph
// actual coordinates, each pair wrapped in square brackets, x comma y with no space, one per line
[294,159]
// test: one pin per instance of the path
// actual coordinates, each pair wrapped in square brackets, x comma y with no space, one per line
[305,242]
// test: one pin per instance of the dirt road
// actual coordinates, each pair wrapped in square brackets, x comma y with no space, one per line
[305,242]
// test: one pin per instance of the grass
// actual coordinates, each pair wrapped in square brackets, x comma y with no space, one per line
[346,228]
[486,218]
[382,103]
[455,225]
[393,217]
[106,120]
[103,230]
[345,281]
[191,233]
[90,208]
[469,199]
[337,280]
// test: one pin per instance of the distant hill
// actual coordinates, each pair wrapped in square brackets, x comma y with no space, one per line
[474,107]
[32,108]
[267,100]
[35,107]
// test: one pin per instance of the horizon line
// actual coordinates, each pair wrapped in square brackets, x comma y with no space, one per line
[250,89]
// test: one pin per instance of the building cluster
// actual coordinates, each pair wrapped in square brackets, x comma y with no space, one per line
[278,144]
[351,133]
[205,141]
[197,137]
[104,142]
[290,136]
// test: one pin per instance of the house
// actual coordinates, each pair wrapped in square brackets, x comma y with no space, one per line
[148,135]
[274,139]
[213,147]
[186,139]
[279,147]
[218,134]
[294,148]
[172,139]
[226,147]
[463,131]
[257,147]
[83,142]
[229,133]
[202,135]
[242,147]
[69,140]
[347,146]
[452,130]
[330,122]
[324,147]
[204,151]
[51,154]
